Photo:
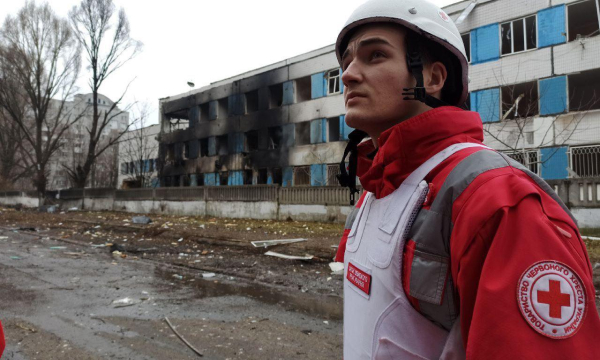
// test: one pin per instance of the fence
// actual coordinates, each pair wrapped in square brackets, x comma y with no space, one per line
[585,160]
[580,192]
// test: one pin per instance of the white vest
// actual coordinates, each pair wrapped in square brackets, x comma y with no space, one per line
[379,321]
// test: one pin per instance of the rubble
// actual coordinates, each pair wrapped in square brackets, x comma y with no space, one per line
[289,257]
[141,220]
[267,243]
[337,268]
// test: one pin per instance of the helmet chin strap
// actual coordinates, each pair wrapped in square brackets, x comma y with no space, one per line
[415,65]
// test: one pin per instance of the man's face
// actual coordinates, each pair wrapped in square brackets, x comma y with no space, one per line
[374,75]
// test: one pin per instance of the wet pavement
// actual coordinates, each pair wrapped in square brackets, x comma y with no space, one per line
[57,303]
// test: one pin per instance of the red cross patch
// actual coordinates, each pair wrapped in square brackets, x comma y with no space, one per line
[552,299]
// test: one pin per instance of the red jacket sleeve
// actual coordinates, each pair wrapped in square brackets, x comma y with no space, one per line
[2,341]
[504,228]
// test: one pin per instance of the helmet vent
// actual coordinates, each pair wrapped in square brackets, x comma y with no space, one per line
[412,11]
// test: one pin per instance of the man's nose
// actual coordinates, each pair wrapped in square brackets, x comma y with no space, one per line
[352,74]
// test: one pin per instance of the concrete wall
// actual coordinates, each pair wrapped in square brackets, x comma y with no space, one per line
[20,200]
[586,217]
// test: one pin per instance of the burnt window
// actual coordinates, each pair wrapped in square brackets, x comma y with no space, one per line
[262,176]
[303,89]
[204,112]
[223,178]
[582,19]
[275,96]
[222,108]
[251,140]
[222,145]
[248,177]
[275,137]
[277,176]
[185,180]
[200,179]
[466,38]
[584,90]
[520,100]
[176,182]
[251,101]
[204,147]
[301,175]
[519,35]
[186,150]
[333,125]
[303,133]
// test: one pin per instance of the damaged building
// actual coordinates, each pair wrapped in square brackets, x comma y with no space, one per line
[534,79]
[281,124]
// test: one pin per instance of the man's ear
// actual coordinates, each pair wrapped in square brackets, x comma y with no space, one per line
[435,78]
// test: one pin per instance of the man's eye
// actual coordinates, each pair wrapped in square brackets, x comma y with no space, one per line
[377,55]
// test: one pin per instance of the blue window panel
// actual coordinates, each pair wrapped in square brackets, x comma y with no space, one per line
[487,104]
[235,143]
[288,93]
[553,95]
[213,111]
[551,26]
[155,182]
[236,105]
[193,180]
[270,179]
[288,176]
[485,44]
[212,146]
[344,128]
[318,131]
[211,179]
[289,133]
[554,163]
[235,178]
[146,166]
[318,175]
[194,114]
[317,88]
[194,147]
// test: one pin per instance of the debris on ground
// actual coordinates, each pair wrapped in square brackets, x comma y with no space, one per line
[15,258]
[124,302]
[28,228]
[590,238]
[58,247]
[337,268]
[182,338]
[48,208]
[3,237]
[177,276]
[267,243]
[73,209]
[208,275]
[289,257]
[141,220]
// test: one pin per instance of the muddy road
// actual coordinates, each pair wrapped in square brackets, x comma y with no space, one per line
[65,299]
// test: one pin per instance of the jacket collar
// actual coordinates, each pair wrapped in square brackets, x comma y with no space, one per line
[407,145]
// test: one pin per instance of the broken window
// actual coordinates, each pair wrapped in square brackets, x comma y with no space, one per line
[333,82]
[277,176]
[223,106]
[223,178]
[185,180]
[251,140]
[519,35]
[248,177]
[200,179]
[582,20]
[275,137]
[275,96]
[301,175]
[528,159]
[520,100]
[466,38]
[186,150]
[333,170]
[222,145]
[334,129]
[303,133]
[176,181]
[585,161]
[204,112]
[171,152]
[303,89]
[204,147]
[251,101]
[262,176]
[584,90]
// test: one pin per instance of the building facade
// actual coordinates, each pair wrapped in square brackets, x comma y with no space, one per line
[138,153]
[74,143]
[534,79]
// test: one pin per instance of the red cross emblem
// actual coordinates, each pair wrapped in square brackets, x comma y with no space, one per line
[554,298]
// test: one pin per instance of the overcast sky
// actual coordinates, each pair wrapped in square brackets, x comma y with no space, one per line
[204,41]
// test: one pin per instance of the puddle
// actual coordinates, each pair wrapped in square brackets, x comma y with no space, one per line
[322,306]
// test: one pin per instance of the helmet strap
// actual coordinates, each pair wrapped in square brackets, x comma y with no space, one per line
[348,178]
[415,66]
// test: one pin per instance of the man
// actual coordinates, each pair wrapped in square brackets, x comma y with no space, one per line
[454,251]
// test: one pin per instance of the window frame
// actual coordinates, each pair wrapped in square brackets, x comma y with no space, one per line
[469,59]
[528,151]
[512,39]
[567,6]
[337,77]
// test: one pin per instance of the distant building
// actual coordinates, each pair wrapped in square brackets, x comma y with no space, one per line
[534,79]
[138,153]
[75,141]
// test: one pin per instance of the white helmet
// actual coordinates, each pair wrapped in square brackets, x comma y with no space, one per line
[420,16]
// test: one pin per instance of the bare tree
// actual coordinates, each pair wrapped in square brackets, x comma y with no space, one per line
[105,37]
[138,151]
[14,164]
[39,64]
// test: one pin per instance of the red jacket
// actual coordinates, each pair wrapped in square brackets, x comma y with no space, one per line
[504,224]
[2,343]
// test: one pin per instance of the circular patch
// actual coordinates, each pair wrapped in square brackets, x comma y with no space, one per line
[443,15]
[552,299]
